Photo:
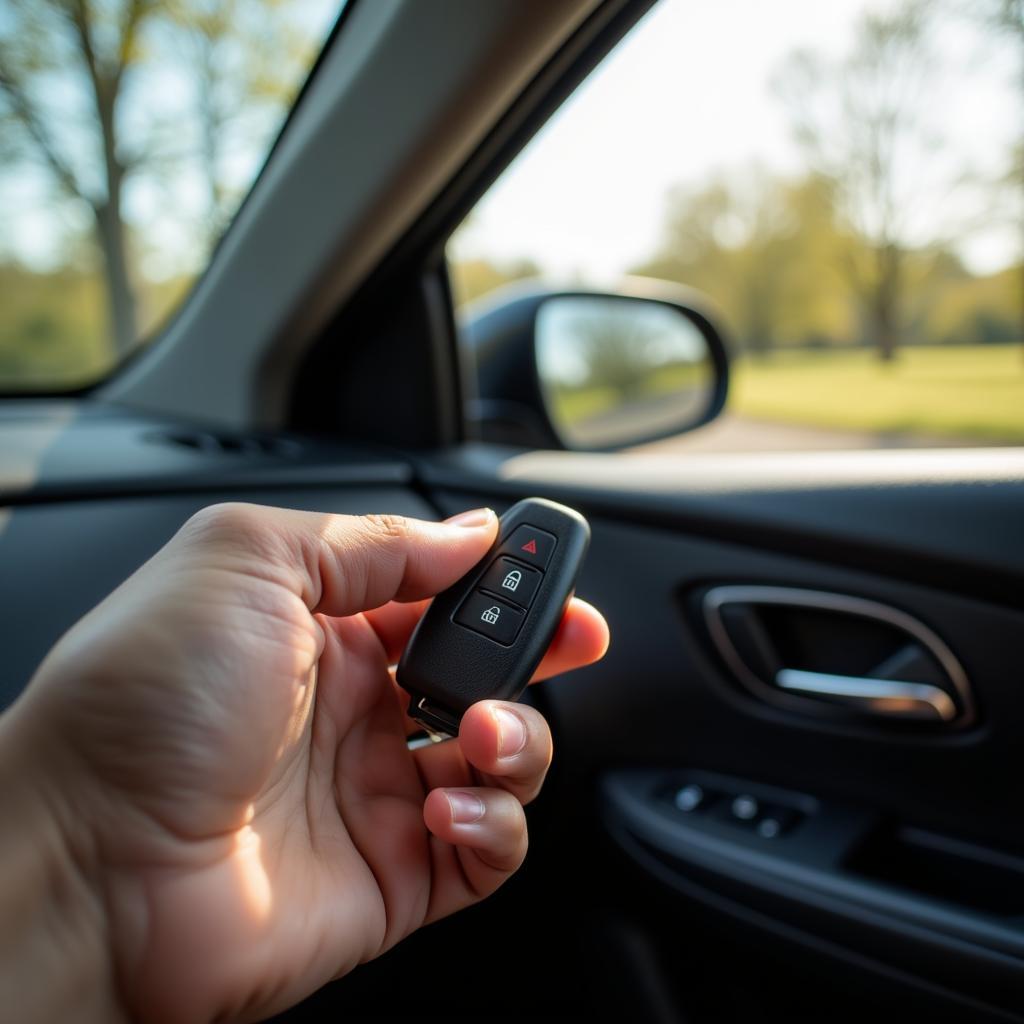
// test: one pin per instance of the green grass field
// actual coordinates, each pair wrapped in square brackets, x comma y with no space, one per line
[966,393]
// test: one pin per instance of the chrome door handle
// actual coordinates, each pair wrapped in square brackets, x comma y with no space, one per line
[918,681]
[888,697]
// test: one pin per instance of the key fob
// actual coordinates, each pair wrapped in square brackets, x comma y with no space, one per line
[485,636]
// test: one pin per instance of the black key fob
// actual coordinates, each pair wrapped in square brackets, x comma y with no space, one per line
[485,636]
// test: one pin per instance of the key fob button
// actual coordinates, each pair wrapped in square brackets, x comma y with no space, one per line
[530,545]
[494,618]
[477,641]
[512,581]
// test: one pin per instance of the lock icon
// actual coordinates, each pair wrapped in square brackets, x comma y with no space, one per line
[512,580]
[491,614]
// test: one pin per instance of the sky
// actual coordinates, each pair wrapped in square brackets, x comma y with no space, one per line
[686,96]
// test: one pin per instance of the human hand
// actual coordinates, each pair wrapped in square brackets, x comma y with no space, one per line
[224,749]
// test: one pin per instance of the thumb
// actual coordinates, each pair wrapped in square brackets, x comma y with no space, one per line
[366,561]
[341,565]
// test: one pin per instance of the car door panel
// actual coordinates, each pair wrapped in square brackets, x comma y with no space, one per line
[683,705]
[910,866]
[620,880]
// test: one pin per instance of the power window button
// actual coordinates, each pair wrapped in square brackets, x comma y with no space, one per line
[690,798]
[744,808]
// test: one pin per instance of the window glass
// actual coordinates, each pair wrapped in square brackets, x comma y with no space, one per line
[129,133]
[842,180]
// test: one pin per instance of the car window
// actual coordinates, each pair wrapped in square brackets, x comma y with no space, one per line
[129,134]
[842,181]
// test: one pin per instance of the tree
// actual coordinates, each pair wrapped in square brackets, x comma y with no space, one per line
[245,60]
[1005,16]
[865,123]
[762,248]
[70,72]
[615,348]
[1006,19]
[42,37]
[722,238]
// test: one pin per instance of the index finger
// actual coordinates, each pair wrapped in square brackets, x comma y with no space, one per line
[582,636]
[582,639]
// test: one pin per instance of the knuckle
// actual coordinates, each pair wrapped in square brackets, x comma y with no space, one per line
[220,515]
[388,526]
[234,521]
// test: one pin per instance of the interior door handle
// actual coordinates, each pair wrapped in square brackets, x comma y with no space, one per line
[888,697]
[858,659]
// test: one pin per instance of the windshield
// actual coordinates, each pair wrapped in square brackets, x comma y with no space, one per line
[130,131]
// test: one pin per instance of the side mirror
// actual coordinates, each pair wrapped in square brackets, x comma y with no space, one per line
[593,371]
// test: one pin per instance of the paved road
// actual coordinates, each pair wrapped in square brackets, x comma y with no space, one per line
[739,434]
[649,415]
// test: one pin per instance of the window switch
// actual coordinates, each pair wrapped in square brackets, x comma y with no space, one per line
[690,798]
[744,808]
[776,821]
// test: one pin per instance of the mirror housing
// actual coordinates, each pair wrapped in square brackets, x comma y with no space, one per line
[508,347]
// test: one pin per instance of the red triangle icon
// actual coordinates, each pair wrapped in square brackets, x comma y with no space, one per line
[531,546]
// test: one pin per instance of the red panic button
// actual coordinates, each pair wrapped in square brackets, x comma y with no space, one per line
[530,545]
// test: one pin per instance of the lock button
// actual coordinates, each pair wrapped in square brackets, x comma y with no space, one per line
[512,580]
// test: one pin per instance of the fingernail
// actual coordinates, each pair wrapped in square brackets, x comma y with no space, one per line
[511,732]
[473,518]
[466,807]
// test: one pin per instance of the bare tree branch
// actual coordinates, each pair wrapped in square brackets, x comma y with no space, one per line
[29,118]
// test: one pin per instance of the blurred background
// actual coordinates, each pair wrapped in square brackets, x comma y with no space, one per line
[844,182]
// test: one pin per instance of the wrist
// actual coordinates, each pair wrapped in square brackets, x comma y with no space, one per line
[55,949]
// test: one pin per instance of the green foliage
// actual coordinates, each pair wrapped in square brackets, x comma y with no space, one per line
[53,331]
[573,406]
[472,279]
[767,252]
[614,349]
[772,255]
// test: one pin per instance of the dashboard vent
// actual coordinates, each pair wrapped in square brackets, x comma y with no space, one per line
[230,444]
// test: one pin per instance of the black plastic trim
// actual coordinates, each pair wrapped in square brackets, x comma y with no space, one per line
[263,477]
[420,254]
[936,941]
[903,554]
[593,40]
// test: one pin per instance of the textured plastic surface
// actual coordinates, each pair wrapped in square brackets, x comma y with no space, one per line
[453,666]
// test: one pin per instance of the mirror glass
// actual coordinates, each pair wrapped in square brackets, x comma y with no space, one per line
[618,371]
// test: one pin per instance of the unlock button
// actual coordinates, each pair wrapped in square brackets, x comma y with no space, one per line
[491,616]
[512,580]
